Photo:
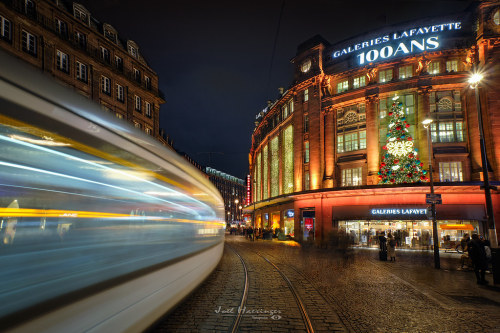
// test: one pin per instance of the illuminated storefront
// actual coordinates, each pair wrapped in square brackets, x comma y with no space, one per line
[326,140]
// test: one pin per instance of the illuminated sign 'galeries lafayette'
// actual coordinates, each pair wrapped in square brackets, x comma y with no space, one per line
[399,43]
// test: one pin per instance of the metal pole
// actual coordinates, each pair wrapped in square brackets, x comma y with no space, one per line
[435,238]
[492,234]
[254,196]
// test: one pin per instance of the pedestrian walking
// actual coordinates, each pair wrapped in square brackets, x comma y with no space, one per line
[391,247]
[383,247]
[478,256]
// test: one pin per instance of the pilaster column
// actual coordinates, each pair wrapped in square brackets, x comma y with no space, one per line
[329,127]
[372,140]
[423,112]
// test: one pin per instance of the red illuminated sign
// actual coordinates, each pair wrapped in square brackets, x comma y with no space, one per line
[249,190]
[308,223]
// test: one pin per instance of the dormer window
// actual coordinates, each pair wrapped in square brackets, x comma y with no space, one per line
[30,8]
[496,17]
[81,13]
[132,48]
[110,33]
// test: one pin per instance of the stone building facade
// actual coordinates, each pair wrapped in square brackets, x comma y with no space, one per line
[232,190]
[317,150]
[63,39]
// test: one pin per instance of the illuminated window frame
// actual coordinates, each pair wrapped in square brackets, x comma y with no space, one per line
[352,177]
[359,81]
[450,172]
[342,86]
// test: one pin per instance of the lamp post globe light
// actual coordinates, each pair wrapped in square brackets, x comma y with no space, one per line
[427,122]
[236,208]
[474,81]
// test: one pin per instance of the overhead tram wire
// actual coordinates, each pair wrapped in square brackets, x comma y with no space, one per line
[274,47]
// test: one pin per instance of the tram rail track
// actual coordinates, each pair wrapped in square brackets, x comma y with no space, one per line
[300,304]
[237,319]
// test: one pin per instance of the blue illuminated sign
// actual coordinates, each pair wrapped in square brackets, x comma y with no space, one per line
[290,213]
[398,43]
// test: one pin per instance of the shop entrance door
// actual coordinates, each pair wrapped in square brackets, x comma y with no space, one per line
[307,224]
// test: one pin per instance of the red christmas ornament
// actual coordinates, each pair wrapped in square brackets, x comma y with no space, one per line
[392,180]
[410,138]
[422,177]
[410,175]
[380,177]
[407,125]
[396,161]
[390,113]
[421,164]
[398,127]
[384,147]
[411,155]
[382,164]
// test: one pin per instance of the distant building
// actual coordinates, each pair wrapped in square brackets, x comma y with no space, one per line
[63,39]
[233,192]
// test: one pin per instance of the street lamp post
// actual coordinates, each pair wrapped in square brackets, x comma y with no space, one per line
[236,208]
[437,264]
[474,81]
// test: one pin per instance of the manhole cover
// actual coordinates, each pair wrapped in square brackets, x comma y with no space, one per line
[474,300]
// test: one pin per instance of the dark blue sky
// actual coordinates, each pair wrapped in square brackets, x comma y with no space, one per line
[213,58]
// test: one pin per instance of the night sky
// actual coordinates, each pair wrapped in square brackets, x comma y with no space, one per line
[213,58]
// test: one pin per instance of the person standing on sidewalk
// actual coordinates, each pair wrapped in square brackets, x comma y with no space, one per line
[391,247]
[478,257]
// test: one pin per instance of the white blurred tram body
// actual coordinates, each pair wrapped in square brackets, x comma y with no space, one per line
[102,228]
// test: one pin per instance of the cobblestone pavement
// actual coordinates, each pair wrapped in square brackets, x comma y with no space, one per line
[357,292]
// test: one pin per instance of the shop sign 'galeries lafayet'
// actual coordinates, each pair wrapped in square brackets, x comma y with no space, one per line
[398,211]
[399,43]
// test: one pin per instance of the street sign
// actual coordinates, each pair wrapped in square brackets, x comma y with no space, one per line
[433,196]
[435,201]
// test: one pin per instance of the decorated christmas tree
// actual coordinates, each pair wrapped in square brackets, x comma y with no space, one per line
[401,163]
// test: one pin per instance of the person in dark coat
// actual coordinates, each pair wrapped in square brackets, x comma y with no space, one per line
[478,256]
[382,241]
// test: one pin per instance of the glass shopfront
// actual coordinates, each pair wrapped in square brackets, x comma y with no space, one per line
[275,220]
[414,234]
[307,224]
[289,222]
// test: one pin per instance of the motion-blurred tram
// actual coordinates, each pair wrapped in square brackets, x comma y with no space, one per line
[102,229]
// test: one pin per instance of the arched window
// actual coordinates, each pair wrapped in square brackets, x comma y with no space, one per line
[445,104]
[351,117]
[496,17]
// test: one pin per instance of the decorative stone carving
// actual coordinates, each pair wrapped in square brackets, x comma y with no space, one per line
[371,75]
[423,64]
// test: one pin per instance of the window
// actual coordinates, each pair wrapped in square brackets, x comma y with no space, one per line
[110,34]
[29,43]
[284,110]
[385,75]
[452,66]
[434,67]
[81,39]
[342,86]
[137,75]
[306,95]
[62,62]
[351,141]
[119,93]
[119,63]
[307,180]
[147,82]
[408,100]
[81,15]
[137,125]
[105,54]
[119,115]
[105,85]
[352,177]
[149,131]
[5,29]
[496,17]
[290,105]
[447,132]
[405,72]
[306,123]
[306,152]
[138,104]
[29,8]
[148,110]
[132,51]
[62,28]
[359,82]
[81,72]
[450,172]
